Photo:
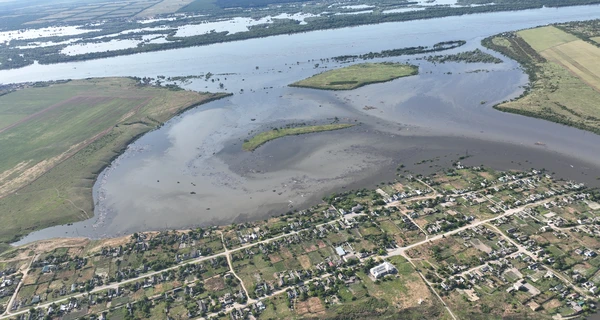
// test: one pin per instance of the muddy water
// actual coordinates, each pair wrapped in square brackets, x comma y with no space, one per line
[193,172]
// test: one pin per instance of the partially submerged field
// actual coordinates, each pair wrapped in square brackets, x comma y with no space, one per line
[56,138]
[264,137]
[564,70]
[357,75]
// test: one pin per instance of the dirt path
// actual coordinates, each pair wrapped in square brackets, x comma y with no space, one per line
[16,293]
[228,256]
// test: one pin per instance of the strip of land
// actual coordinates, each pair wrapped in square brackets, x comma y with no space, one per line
[357,75]
[562,62]
[264,137]
[56,137]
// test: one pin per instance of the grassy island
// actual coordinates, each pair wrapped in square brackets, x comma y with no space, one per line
[56,137]
[264,137]
[562,64]
[357,75]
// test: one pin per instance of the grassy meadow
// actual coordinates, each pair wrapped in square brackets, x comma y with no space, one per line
[543,38]
[56,139]
[564,72]
[264,137]
[357,75]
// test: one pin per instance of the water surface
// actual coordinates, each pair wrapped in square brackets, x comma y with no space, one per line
[193,172]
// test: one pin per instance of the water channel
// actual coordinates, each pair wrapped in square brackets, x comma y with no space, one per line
[192,171]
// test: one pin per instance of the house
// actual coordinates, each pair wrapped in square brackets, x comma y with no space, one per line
[576,307]
[357,208]
[340,251]
[382,270]
[49,268]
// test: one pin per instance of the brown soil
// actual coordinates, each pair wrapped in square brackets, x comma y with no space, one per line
[286,254]
[215,283]
[313,305]
[304,261]
[417,291]
[275,258]
[310,249]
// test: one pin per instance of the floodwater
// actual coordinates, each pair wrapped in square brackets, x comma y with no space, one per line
[193,172]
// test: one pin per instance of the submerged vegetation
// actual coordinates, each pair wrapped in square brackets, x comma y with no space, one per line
[264,137]
[357,75]
[563,73]
[475,56]
[440,46]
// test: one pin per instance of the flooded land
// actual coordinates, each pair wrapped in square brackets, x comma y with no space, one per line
[193,170]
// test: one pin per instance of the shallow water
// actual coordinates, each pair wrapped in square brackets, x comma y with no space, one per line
[432,115]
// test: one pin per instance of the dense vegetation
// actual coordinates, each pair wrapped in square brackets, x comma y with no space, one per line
[402,51]
[475,56]
[251,3]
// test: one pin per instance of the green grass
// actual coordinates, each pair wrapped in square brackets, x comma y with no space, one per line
[264,137]
[555,94]
[66,135]
[543,38]
[357,75]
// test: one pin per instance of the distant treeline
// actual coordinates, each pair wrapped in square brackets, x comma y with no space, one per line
[402,51]
[15,58]
[251,3]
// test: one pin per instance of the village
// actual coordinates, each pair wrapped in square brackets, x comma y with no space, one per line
[465,241]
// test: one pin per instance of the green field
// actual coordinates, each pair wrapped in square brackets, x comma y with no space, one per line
[56,139]
[544,38]
[564,74]
[264,137]
[357,75]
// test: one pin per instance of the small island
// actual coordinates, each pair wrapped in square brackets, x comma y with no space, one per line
[357,75]
[264,137]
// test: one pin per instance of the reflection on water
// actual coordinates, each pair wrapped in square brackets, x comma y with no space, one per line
[192,171]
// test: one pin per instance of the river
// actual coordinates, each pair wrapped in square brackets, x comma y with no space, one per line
[192,171]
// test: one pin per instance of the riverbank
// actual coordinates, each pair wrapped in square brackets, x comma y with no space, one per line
[88,123]
[564,79]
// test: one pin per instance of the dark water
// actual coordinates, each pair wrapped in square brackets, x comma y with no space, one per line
[434,115]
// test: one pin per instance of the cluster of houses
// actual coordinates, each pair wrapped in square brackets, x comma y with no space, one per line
[450,223]
[249,312]
[405,195]
[8,281]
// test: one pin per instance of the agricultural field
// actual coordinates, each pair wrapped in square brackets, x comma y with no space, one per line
[357,75]
[108,10]
[57,137]
[579,57]
[564,73]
